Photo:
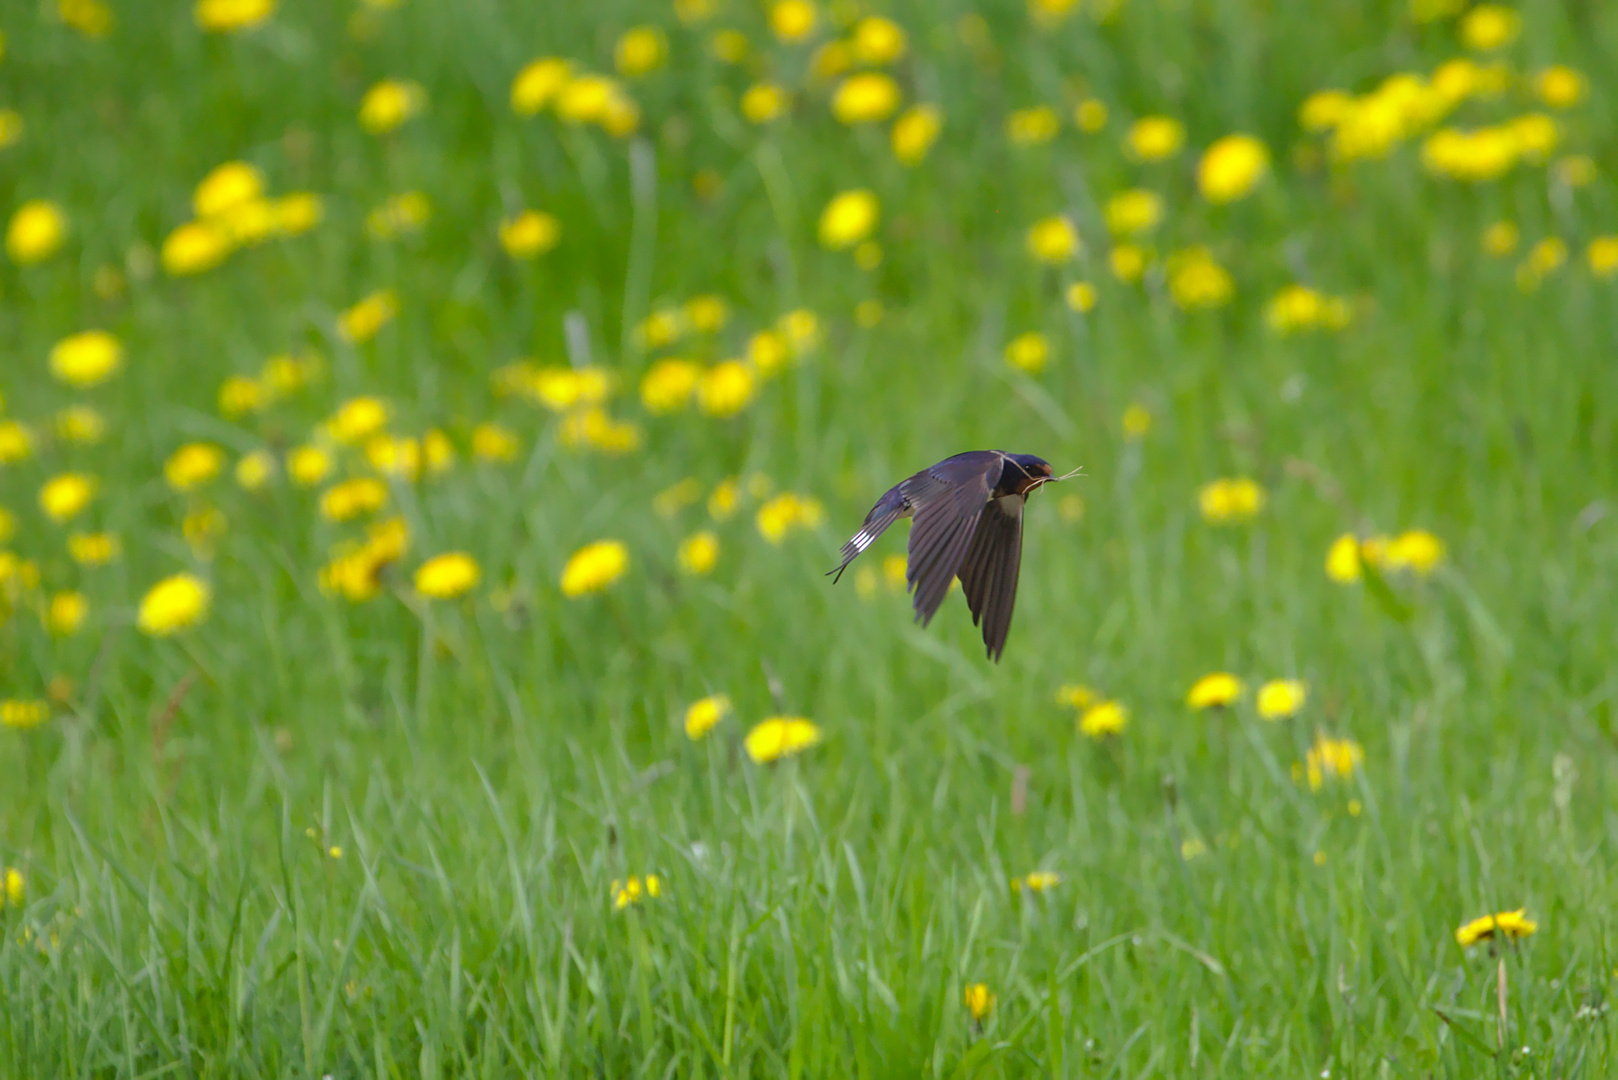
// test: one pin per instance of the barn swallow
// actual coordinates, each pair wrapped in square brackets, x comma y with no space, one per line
[968,524]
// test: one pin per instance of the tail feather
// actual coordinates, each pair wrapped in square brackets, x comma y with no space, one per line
[886,511]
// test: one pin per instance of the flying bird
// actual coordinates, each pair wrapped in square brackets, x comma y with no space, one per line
[968,524]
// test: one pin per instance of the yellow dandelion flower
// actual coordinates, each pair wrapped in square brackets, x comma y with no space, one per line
[1325,109]
[1602,255]
[226,16]
[1231,168]
[699,553]
[726,388]
[786,513]
[492,442]
[707,314]
[1032,127]
[1037,882]
[585,99]
[1127,263]
[865,98]
[1053,240]
[641,50]
[80,424]
[878,41]
[226,187]
[692,12]
[1196,281]
[914,133]
[1155,138]
[792,20]
[193,465]
[1134,211]
[389,103]
[1281,698]
[634,890]
[66,613]
[353,498]
[1336,759]
[254,469]
[92,18]
[1103,720]
[1230,499]
[1343,560]
[1295,308]
[93,549]
[405,212]
[1029,352]
[1417,550]
[1090,115]
[66,495]
[724,498]
[241,394]
[357,419]
[23,715]
[1560,86]
[195,247]
[447,576]
[594,567]
[202,528]
[539,84]
[701,717]
[437,451]
[1214,691]
[1511,925]
[781,737]
[979,1001]
[35,232]
[86,358]
[361,322]
[11,127]
[308,465]
[1137,421]
[763,102]
[849,218]
[16,887]
[173,604]
[668,385]
[1490,26]
[676,497]
[1081,296]
[297,212]
[801,328]
[728,46]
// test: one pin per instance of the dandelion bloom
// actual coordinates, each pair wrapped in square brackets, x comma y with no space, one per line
[878,40]
[1229,500]
[1325,109]
[729,46]
[1490,26]
[1090,115]
[792,20]
[1155,138]
[11,127]
[492,442]
[1192,847]
[701,717]
[849,218]
[226,187]
[223,16]
[785,513]
[1053,240]
[1417,550]
[634,890]
[1560,87]
[726,388]
[22,714]
[405,212]
[1032,127]
[1231,167]
[915,131]
[539,84]
[830,60]
[642,49]
[389,103]
[444,577]
[1029,352]
[195,247]
[86,358]
[193,465]
[979,1002]
[1196,281]
[254,469]
[357,419]
[1343,559]
[763,102]
[16,444]
[865,98]
[1037,882]
[36,232]
[780,737]
[1103,720]
[1214,691]
[668,384]
[1134,211]
[361,322]
[308,465]
[1281,698]
[1512,925]
[1081,296]
[353,498]
[1137,421]
[16,886]
[1127,262]
[594,567]
[297,212]
[241,394]
[1334,758]
[707,314]
[92,549]
[173,604]
[699,553]
[767,352]
[66,495]
[1602,255]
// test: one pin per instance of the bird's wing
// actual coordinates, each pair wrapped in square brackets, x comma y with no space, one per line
[948,500]
[989,571]
[884,513]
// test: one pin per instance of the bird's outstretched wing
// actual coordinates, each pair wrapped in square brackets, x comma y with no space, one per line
[989,571]
[948,499]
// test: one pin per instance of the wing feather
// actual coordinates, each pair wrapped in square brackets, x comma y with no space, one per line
[991,568]
[948,500]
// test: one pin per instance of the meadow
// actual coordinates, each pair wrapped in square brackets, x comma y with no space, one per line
[424,429]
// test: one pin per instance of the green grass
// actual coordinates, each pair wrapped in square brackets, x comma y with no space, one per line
[487,771]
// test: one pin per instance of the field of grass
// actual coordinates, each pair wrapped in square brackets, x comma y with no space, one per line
[330,746]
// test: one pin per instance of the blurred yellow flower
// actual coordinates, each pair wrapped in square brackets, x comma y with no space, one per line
[785,513]
[66,613]
[1037,882]
[1137,421]
[1032,127]
[1076,696]
[1500,239]
[1081,296]
[11,127]
[979,1002]
[722,501]
[780,737]
[1231,167]
[915,131]
[792,20]
[194,247]
[529,233]
[16,887]
[865,98]
[389,103]
[695,11]
[1103,720]
[297,212]
[1511,925]
[447,576]
[1297,308]
[394,457]
[1602,255]
[241,394]
[1325,109]
[1127,262]
[1134,211]
[254,469]
[594,567]
[1029,352]
[868,313]
[1331,758]
[1230,499]
[492,442]
[729,46]
[1490,26]
[1090,115]
[539,84]
[764,101]
[23,715]
[640,50]
[93,549]
[1048,13]
[80,424]
[701,717]
[193,465]
[1343,560]
[352,498]
[355,571]
[878,41]
[201,528]
[361,322]
[830,60]
[1196,281]
[86,358]
[66,495]
[1281,698]
[699,553]
[92,18]
[849,218]
[173,604]
[1053,240]
[308,465]
[633,891]
[1416,550]
[357,419]
[676,497]
[35,232]
[405,212]
[707,314]
[726,388]
[1560,87]
[668,384]
[1154,138]
[767,352]
[226,187]
[1214,691]
[221,16]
